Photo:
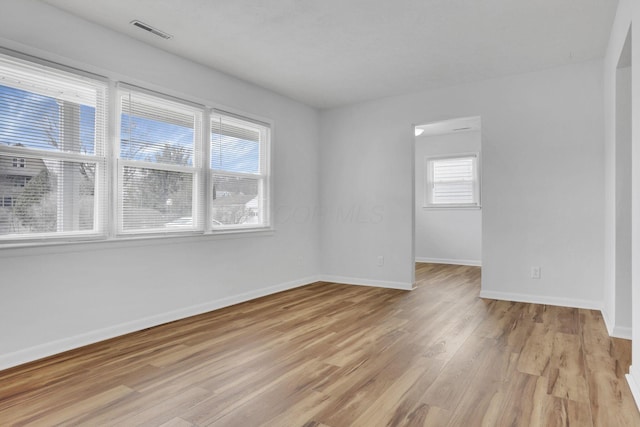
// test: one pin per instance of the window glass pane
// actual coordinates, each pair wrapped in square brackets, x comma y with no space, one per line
[156,199]
[236,201]
[453,170]
[158,133]
[453,192]
[37,121]
[452,181]
[235,155]
[46,196]
[235,147]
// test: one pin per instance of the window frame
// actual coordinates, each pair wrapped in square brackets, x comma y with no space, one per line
[264,175]
[110,165]
[196,169]
[69,78]
[429,180]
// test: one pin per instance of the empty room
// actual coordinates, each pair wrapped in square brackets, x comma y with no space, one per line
[319,213]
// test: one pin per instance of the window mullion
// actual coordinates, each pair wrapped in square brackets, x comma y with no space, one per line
[238,174]
[158,166]
[112,151]
[206,170]
[33,153]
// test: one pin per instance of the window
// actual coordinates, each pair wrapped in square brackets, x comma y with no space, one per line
[160,165]
[52,161]
[239,179]
[17,180]
[452,181]
[168,167]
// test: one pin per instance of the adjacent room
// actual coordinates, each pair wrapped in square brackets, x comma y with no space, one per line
[448,190]
[319,214]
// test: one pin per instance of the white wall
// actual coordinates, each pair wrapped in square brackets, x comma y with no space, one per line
[542,199]
[542,183]
[446,235]
[55,298]
[628,13]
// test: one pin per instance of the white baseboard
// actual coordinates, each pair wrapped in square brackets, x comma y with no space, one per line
[608,321]
[634,385]
[539,299]
[614,330]
[55,347]
[367,282]
[472,262]
[623,332]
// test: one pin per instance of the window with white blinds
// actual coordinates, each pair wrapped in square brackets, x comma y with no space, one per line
[452,181]
[239,173]
[52,152]
[160,165]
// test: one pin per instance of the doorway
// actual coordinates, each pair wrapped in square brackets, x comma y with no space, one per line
[448,192]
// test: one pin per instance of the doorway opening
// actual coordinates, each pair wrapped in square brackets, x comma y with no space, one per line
[448,192]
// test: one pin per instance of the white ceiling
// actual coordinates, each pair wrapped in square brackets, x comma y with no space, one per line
[328,53]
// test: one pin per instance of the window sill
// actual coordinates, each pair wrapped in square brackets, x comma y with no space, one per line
[451,207]
[13,249]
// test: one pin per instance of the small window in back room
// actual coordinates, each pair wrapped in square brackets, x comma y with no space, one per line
[452,181]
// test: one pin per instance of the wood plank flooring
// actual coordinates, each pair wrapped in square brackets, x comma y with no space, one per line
[331,355]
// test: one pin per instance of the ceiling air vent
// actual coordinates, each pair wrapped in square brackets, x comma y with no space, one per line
[459,129]
[149,28]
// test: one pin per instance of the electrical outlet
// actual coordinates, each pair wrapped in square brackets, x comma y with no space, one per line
[535,272]
[380,261]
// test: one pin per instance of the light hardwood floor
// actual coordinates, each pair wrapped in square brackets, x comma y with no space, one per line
[337,355]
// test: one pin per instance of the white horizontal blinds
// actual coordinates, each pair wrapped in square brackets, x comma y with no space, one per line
[240,175]
[49,196]
[52,152]
[160,165]
[157,199]
[453,181]
[157,130]
[64,112]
